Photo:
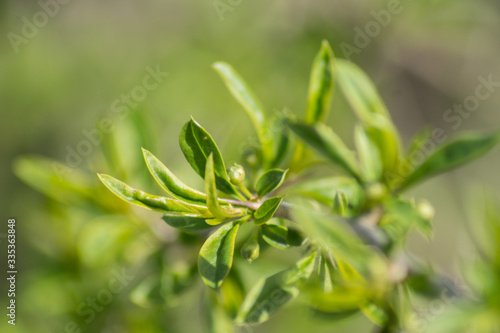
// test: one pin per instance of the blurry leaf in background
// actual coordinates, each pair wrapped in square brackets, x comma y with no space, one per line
[324,190]
[320,85]
[369,155]
[270,294]
[327,143]
[253,107]
[463,149]
[54,179]
[368,106]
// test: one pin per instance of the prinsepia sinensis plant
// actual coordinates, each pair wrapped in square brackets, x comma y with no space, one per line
[350,228]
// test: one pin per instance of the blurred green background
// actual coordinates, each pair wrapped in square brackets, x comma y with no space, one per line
[60,77]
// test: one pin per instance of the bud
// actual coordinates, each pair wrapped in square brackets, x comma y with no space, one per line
[251,249]
[376,191]
[236,174]
[425,209]
[340,203]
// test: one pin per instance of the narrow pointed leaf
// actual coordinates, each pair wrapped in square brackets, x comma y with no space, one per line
[327,143]
[458,152]
[320,85]
[169,182]
[325,277]
[282,139]
[270,181]
[270,294]
[324,190]
[186,223]
[216,255]
[359,91]
[54,179]
[267,210]
[197,145]
[369,155]
[212,199]
[244,95]
[363,97]
[141,198]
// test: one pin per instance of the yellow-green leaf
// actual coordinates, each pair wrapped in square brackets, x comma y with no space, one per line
[247,99]
[169,182]
[327,143]
[320,85]
[212,198]
[141,198]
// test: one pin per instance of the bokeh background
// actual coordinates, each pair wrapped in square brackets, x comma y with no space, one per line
[59,79]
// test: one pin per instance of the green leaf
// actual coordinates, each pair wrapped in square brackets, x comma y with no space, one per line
[342,298]
[365,101]
[169,182]
[276,236]
[270,181]
[324,190]
[216,255]
[325,275]
[143,199]
[197,145]
[320,85]
[328,144]
[270,294]
[418,142]
[186,223]
[369,156]
[401,216]
[245,96]
[212,199]
[216,317]
[282,144]
[359,91]
[333,234]
[54,179]
[232,292]
[266,210]
[460,151]
[376,314]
